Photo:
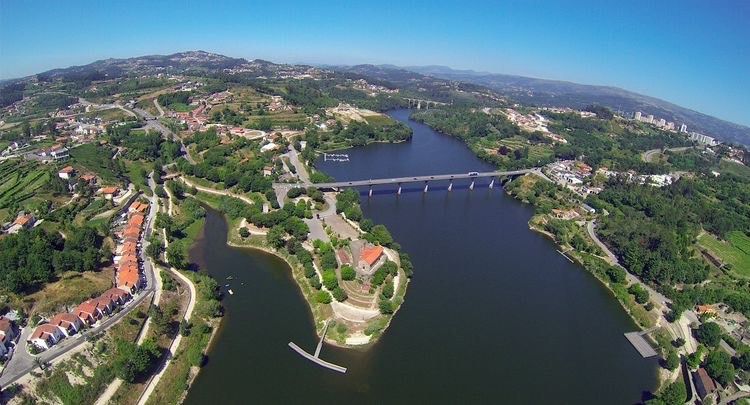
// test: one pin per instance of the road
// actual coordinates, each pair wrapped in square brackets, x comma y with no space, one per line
[649,155]
[214,191]
[153,123]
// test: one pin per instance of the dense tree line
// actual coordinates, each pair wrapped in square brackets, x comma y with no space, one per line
[178,97]
[31,258]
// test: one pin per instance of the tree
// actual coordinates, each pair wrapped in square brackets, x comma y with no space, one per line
[388,289]
[329,279]
[276,236]
[672,360]
[323,297]
[679,342]
[385,306]
[132,361]
[709,334]
[339,294]
[244,232]
[347,272]
[639,293]
[176,256]
[743,361]
[719,366]
[674,393]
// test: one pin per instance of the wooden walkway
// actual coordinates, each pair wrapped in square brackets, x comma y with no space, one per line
[316,357]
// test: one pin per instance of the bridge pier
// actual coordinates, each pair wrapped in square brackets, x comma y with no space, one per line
[426,185]
[399,189]
[450,186]
[369,194]
[419,104]
[492,183]
[471,186]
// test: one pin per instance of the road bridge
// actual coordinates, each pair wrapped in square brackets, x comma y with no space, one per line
[399,181]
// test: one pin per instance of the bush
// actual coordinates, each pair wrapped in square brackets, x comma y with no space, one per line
[339,294]
[672,360]
[386,306]
[388,289]
[309,270]
[347,273]
[639,293]
[329,279]
[323,297]
[315,282]
[244,232]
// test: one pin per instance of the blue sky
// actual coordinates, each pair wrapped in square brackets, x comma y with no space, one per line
[693,53]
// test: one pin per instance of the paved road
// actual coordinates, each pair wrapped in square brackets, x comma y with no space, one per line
[153,123]
[398,180]
[648,156]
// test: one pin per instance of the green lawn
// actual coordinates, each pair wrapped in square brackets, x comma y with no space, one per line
[735,250]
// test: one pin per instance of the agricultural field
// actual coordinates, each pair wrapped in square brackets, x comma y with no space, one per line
[112,114]
[20,181]
[735,251]
[71,288]
[98,159]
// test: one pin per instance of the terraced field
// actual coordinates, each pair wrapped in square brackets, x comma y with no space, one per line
[20,182]
[734,251]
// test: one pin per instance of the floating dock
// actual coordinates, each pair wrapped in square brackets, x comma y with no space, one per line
[316,357]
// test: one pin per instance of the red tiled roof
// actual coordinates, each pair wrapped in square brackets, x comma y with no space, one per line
[43,331]
[23,219]
[62,319]
[67,169]
[108,190]
[371,254]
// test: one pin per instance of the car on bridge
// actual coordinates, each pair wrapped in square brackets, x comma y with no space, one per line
[473,174]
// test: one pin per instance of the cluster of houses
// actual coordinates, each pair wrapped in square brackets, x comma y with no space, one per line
[195,119]
[128,269]
[87,313]
[372,89]
[532,123]
[127,282]
[572,174]
[656,180]
[51,153]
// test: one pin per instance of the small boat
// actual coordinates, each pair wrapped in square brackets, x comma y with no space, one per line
[226,285]
[230,278]
[231,292]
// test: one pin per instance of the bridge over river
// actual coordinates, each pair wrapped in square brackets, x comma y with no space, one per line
[398,181]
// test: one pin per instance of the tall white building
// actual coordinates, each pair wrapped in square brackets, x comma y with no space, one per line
[650,118]
[637,116]
[702,139]
[683,128]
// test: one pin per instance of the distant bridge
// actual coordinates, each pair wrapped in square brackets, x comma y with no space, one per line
[418,103]
[398,181]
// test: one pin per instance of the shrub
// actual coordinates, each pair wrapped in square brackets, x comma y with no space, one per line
[339,294]
[347,273]
[323,297]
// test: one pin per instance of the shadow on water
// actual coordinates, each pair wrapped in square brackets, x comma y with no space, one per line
[493,314]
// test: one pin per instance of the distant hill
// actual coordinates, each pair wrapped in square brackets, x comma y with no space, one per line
[440,83]
[566,94]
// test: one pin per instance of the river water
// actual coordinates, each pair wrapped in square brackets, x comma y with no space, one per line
[493,315]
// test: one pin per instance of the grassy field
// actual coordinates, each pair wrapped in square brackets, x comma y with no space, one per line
[726,166]
[70,289]
[735,250]
[96,159]
[112,114]
[135,175]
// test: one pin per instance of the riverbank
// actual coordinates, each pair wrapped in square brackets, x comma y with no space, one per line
[356,326]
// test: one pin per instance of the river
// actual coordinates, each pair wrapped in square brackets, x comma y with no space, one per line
[493,314]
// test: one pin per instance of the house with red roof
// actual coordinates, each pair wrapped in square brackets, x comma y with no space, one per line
[370,258]
[68,323]
[45,336]
[118,296]
[88,312]
[109,192]
[67,173]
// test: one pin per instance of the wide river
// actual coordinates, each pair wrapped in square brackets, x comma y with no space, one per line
[493,313]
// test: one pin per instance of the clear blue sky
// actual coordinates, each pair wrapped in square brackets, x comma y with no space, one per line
[693,53]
